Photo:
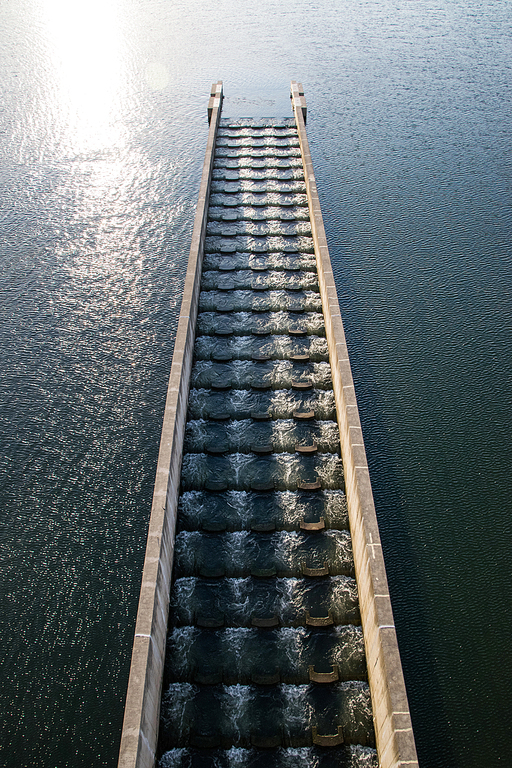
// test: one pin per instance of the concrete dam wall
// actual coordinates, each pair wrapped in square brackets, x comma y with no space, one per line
[279,647]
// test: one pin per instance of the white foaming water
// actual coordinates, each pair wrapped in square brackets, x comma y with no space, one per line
[362,757]
[283,402]
[191,506]
[307,262]
[282,374]
[282,345]
[283,431]
[281,280]
[241,346]
[297,710]
[196,434]
[240,504]
[240,400]
[288,596]
[290,642]
[315,322]
[357,701]
[239,369]
[182,597]
[237,432]
[329,436]
[329,469]
[196,401]
[292,508]
[194,468]
[239,462]
[318,346]
[287,543]
[277,300]
[278,322]
[203,346]
[289,468]
[234,640]
[235,706]
[176,702]
[342,545]
[308,280]
[206,301]
[324,405]
[313,302]
[174,758]
[237,757]
[302,757]
[187,544]
[200,373]
[343,591]
[235,549]
[336,507]
[179,645]
[239,596]
[349,650]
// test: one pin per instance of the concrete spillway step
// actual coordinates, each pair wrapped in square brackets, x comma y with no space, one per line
[248,553]
[344,756]
[280,471]
[210,716]
[245,403]
[244,436]
[240,375]
[265,655]
[312,349]
[268,280]
[277,261]
[264,512]
[244,602]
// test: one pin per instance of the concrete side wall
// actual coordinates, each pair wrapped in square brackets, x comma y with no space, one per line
[393,728]
[142,710]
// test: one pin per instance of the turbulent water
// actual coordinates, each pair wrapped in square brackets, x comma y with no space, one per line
[103,132]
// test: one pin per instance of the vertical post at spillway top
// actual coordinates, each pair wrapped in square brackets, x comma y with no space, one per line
[142,709]
[298,99]
[393,727]
[215,101]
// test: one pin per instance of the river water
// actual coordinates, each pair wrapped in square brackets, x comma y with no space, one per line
[103,134]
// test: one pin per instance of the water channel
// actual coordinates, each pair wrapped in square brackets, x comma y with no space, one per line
[265,648]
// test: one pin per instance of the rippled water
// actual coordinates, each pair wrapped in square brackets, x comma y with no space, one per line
[103,132]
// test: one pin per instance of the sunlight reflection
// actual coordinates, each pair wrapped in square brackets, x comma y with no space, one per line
[86,49]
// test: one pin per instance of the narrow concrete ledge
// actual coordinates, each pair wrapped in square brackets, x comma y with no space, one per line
[393,729]
[142,710]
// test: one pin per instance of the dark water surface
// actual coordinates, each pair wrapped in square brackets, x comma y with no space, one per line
[103,133]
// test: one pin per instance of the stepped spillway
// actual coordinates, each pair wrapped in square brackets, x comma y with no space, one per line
[265,653]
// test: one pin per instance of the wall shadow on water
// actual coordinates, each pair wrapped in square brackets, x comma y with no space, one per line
[410,607]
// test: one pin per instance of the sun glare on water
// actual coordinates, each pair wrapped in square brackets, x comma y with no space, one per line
[85,45]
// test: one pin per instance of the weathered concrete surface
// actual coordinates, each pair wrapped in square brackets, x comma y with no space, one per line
[140,727]
[298,99]
[393,728]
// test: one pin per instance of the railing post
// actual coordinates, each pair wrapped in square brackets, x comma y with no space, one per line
[298,99]
[215,101]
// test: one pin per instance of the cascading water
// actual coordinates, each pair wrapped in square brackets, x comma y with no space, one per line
[265,657]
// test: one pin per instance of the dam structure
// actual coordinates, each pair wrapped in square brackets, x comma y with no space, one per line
[264,634]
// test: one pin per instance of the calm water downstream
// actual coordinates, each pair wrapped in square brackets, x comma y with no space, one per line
[103,133]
